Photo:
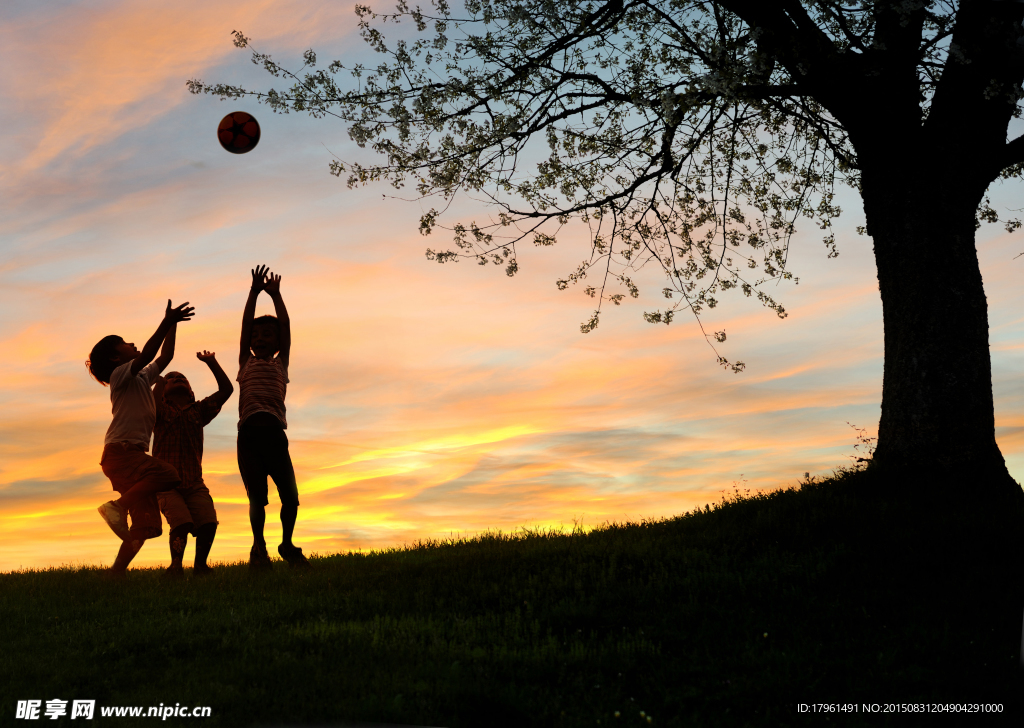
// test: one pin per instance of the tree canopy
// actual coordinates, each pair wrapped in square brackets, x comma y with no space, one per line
[698,135]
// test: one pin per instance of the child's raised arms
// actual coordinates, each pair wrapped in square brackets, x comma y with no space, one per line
[224,384]
[184,312]
[259,282]
[172,316]
[259,277]
[284,341]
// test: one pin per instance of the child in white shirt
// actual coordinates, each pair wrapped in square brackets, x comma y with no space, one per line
[138,477]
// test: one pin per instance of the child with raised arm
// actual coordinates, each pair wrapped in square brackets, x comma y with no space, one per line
[262,444]
[178,441]
[138,477]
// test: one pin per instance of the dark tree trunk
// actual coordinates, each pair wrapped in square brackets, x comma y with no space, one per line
[922,178]
[937,407]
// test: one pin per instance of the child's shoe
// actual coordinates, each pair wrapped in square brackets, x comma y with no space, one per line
[116,518]
[174,571]
[259,559]
[293,555]
[201,570]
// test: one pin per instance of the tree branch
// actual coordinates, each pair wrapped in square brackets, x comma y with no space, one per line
[1012,153]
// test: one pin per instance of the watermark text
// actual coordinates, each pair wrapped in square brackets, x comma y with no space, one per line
[87,710]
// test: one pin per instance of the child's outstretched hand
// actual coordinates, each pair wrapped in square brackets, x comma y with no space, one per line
[259,278]
[180,313]
[273,284]
[206,356]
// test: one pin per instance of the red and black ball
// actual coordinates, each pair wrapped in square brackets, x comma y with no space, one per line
[238,132]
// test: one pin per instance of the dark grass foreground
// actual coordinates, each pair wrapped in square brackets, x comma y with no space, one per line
[730,616]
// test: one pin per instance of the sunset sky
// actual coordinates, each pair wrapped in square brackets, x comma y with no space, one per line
[425,401]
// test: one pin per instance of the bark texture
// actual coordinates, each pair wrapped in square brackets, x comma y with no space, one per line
[937,404]
[922,180]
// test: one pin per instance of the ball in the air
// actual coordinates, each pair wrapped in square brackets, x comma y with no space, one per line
[238,132]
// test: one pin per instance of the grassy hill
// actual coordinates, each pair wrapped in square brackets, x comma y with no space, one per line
[838,591]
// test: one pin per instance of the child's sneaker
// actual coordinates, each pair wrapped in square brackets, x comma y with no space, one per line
[174,571]
[259,559]
[116,518]
[293,555]
[202,570]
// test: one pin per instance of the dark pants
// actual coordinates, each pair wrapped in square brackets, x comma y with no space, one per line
[262,452]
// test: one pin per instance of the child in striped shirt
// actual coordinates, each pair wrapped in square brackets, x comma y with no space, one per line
[262,444]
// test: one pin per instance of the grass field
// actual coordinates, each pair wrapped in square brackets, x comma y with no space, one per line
[733,615]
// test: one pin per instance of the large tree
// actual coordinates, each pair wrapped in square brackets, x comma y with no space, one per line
[696,134]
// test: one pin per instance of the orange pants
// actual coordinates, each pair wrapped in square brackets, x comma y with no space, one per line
[134,474]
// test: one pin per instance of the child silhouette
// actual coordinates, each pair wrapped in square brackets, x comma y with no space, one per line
[138,477]
[178,441]
[262,444]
